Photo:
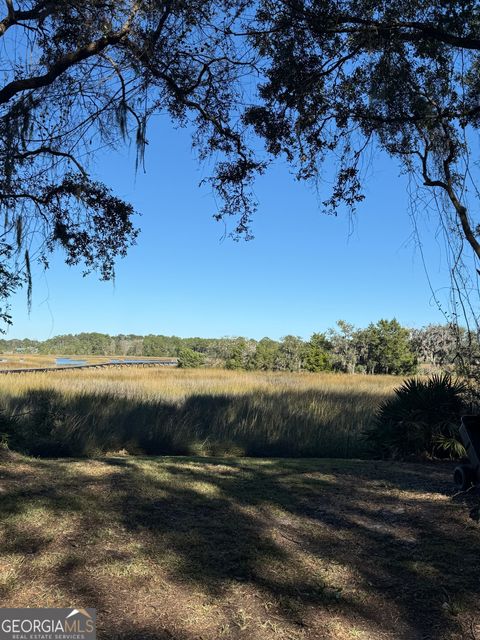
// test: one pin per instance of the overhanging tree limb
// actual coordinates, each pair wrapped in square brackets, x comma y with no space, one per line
[67,61]
[312,80]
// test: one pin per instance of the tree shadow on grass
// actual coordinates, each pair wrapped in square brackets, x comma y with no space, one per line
[188,548]
[412,552]
[309,423]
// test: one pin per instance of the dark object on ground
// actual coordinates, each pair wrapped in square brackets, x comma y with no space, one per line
[466,475]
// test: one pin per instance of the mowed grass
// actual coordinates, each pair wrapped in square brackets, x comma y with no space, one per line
[208,548]
[200,412]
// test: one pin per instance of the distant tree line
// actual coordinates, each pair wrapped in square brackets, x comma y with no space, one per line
[381,348]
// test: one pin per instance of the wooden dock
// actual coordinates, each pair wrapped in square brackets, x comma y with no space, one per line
[98,365]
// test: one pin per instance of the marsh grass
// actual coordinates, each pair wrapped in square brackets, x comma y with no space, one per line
[202,412]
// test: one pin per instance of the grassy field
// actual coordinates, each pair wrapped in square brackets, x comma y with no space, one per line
[199,412]
[206,549]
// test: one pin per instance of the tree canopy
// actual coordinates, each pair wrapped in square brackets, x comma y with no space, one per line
[311,79]
[384,347]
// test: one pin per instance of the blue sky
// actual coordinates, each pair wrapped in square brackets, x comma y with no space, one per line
[301,273]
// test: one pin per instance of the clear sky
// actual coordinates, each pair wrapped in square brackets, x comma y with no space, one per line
[301,273]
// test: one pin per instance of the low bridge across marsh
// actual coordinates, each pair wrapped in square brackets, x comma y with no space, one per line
[96,365]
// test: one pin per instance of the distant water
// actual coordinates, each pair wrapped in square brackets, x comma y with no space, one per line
[65,361]
[62,362]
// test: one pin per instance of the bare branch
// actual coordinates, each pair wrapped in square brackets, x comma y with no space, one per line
[15,17]
[53,152]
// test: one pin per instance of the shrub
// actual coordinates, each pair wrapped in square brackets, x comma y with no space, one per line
[421,419]
[189,359]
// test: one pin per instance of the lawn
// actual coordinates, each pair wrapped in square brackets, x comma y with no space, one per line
[209,548]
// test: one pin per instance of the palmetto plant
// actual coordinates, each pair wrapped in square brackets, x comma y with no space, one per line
[422,418]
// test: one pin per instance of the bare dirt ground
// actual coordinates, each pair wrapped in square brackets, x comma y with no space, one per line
[206,549]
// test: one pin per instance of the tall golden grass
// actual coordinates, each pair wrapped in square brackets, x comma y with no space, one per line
[202,411]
